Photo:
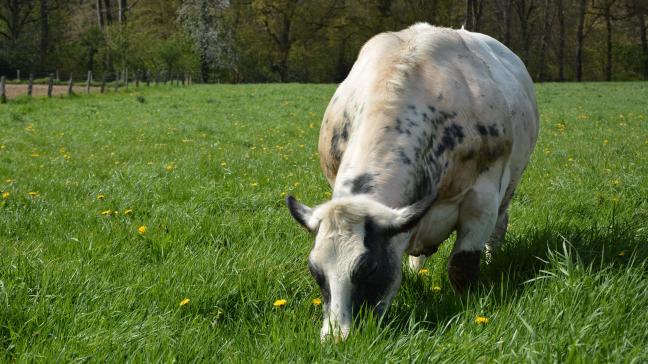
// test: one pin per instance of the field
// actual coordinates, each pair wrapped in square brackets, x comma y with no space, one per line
[118,207]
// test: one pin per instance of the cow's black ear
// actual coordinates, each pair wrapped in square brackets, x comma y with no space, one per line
[407,217]
[302,213]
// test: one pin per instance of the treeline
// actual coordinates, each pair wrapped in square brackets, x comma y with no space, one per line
[308,40]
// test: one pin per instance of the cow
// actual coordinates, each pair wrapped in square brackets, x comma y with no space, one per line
[428,134]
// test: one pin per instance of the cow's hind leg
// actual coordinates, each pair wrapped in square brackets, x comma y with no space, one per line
[478,215]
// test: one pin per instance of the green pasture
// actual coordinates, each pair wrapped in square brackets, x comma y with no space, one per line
[144,198]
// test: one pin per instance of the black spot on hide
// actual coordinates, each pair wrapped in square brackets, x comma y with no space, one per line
[320,278]
[374,272]
[363,183]
[492,130]
[452,136]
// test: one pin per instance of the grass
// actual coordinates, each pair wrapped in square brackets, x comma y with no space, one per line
[205,170]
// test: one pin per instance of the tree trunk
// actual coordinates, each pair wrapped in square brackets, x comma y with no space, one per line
[100,19]
[507,22]
[478,11]
[123,9]
[580,39]
[543,41]
[608,27]
[469,24]
[44,36]
[644,43]
[561,40]
[108,12]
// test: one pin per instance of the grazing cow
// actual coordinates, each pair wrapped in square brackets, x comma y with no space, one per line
[429,134]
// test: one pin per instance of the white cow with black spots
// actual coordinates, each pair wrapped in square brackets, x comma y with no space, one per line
[429,134]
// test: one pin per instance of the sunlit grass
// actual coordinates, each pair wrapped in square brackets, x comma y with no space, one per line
[150,225]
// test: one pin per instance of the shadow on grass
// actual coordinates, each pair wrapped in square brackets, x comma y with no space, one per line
[520,259]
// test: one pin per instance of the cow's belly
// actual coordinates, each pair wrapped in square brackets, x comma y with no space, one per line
[434,229]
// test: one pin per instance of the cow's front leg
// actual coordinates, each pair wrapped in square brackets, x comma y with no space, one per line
[477,218]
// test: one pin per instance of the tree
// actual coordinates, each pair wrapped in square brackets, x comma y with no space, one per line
[204,22]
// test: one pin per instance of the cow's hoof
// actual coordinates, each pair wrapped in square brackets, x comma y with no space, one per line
[463,269]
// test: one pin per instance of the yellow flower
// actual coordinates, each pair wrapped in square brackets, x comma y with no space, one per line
[141,229]
[32,194]
[605,142]
[100,197]
[423,272]
[106,212]
[280,303]
[621,253]
[184,302]
[128,212]
[317,301]
[223,163]
[283,194]
[436,289]
[35,154]
[481,320]
[9,181]
[169,167]
[5,195]
[254,184]
[615,182]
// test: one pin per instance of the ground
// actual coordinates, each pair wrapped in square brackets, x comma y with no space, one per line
[15,91]
[150,225]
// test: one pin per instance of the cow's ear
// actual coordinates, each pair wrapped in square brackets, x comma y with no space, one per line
[302,213]
[404,219]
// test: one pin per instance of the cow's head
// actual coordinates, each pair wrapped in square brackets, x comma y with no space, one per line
[356,259]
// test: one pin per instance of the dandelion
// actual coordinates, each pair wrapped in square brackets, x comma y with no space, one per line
[223,163]
[169,167]
[316,301]
[101,197]
[5,195]
[436,289]
[296,184]
[570,159]
[142,229]
[35,154]
[423,272]
[128,212]
[10,181]
[605,142]
[254,184]
[33,194]
[279,303]
[616,182]
[621,253]
[106,212]
[481,320]
[184,302]
[283,194]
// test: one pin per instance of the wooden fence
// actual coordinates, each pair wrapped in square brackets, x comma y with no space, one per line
[54,85]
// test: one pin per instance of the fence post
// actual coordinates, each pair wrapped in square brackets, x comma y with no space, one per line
[103,82]
[88,82]
[70,85]
[18,75]
[116,81]
[30,85]
[50,85]
[3,95]
[57,76]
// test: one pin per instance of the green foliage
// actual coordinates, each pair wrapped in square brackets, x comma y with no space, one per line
[206,168]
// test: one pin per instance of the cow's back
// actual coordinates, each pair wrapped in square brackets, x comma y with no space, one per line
[445,103]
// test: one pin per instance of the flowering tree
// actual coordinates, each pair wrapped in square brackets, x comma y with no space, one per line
[204,23]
